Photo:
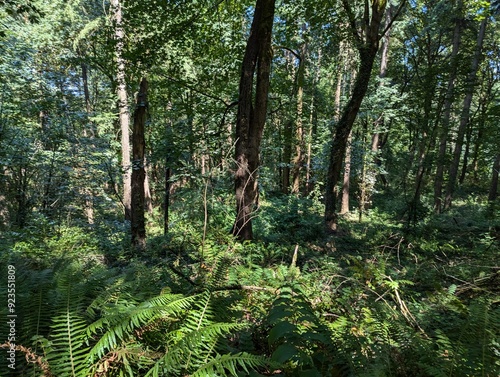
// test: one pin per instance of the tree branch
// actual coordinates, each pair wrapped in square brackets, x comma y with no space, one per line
[389,25]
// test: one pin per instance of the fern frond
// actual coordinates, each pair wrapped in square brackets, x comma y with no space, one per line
[67,353]
[120,325]
[232,363]
[193,349]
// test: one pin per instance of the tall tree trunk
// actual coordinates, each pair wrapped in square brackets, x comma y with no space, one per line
[344,208]
[464,119]
[124,117]
[346,184]
[367,46]
[86,191]
[309,179]
[298,161]
[138,226]
[494,180]
[439,178]
[287,156]
[166,204]
[252,116]
[379,123]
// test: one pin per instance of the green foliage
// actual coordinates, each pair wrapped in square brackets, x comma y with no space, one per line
[297,338]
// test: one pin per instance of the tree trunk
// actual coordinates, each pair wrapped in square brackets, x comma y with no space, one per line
[122,106]
[86,93]
[138,225]
[309,179]
[464,119]
[88,209]
[346,184]
[494,180]
[465,164]
[148,201]
[287,156]
[438,183]
[252,116]
[367,47]
[166,204]
[298,161]
[347,177]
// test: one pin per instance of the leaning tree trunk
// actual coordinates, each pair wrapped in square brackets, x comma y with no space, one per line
[138,226]
[367,46]
[252,116]
[464,119]
[122,106]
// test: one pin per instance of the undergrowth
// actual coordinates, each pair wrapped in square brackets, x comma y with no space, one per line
[375,299]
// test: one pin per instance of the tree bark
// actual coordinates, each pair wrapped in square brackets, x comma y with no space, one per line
[252,116]
[138,226]
[367,47]
[464,119]
[124,117]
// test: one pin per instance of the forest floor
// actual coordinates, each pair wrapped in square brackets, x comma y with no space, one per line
[381,297]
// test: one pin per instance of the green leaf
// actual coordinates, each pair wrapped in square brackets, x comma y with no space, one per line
[284,353]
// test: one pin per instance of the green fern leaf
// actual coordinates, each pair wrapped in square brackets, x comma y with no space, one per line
[232,363]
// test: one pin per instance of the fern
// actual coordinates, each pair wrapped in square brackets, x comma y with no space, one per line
[168,335]
[121,321]
[66,352]
[476,350]
[222,363]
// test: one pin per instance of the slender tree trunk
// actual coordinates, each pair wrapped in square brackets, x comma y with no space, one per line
[298,162]
[22,201]
[465,164]
[252,116]
[379,123]
[124,116]
[346,184]
[147,189]
[439,178]
[367,47]
[166,204]
[347,177]
[138,226]
[287,156]
[88,209]
[464,119]
[494,180]
[309,179]
[86,93]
